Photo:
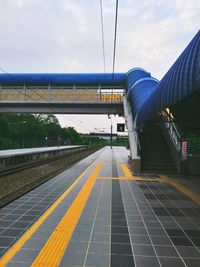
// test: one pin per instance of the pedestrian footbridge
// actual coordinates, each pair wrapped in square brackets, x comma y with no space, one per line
[152,108]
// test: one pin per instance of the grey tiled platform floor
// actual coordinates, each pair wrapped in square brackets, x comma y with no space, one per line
[144,224]
[19,215]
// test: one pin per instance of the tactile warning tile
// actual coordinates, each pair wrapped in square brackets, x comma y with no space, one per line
[22,213]
[173,209]
[54,249]
[127,222]
[146,176]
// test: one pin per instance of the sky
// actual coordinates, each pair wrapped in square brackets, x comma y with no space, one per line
[64,36]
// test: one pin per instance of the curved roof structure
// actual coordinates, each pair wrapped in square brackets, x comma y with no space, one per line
[179,89]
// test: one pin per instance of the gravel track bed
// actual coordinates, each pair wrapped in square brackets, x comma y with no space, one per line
[14,185]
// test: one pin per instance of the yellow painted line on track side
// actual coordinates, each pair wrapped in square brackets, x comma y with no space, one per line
[195,197]
[54,249]
[19,244]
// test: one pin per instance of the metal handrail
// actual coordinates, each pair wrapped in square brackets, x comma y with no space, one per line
[174,134]
[172,130]
[56,94]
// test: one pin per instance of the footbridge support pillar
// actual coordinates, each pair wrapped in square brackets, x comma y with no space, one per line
[135,159]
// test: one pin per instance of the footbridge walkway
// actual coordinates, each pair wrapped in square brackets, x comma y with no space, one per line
[145,102]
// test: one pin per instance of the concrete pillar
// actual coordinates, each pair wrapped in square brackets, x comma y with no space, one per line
[134,159]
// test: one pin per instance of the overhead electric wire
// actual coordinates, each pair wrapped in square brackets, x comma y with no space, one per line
[115,40]
[102,36]
[80,123]
[76,122]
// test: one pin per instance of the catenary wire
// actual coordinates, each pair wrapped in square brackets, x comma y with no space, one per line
[102,36]
[115,39]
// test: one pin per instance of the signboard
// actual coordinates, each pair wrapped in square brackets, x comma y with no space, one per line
[184,149]
[120,127]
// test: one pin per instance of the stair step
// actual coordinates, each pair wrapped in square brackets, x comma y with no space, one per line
[155,154]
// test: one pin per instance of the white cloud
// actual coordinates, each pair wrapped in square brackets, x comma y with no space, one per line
[62,36]
[153,33]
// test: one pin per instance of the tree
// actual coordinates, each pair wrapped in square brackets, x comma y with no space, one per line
[71,134]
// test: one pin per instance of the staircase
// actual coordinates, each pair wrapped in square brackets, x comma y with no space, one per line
[155,154]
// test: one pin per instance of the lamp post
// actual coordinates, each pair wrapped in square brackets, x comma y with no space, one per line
[111,130]
[46,141]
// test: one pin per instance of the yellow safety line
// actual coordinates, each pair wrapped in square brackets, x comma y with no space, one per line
[19,244]
[113,178]
[126,170]
[53,251]
[195,197]
[128,178]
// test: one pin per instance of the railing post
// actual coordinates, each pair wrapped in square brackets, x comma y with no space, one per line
[49,93]
[66,94]
[24,93]
[74,94]
[99,95]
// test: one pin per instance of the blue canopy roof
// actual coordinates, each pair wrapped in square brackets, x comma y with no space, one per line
[179,89]
[147,96]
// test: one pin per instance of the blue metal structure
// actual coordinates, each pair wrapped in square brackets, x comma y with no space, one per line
[140,85]
[80,79]
[179,89]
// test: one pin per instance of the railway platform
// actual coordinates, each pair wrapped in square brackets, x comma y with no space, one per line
[97,214]
[11,157]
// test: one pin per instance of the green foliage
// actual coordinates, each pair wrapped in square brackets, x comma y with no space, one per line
[4,126]
[121,141]
[27,130]
[71,134]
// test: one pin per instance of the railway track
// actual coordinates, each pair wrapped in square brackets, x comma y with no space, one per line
[28,165]
[18,180]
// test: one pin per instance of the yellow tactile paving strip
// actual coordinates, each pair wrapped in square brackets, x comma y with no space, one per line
[128,175]
[126,170]
[128,178]
[19,244]
[53,251]
[163,179]
[195,197]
